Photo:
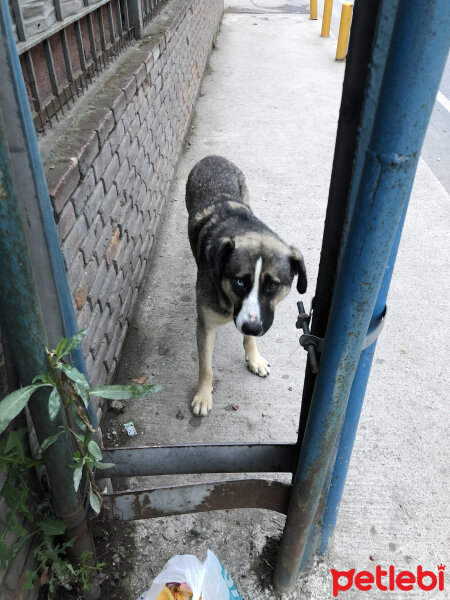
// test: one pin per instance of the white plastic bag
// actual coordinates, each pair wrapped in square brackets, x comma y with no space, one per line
[208,579]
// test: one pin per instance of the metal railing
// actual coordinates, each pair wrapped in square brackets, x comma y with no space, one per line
[59,63]
[150,8]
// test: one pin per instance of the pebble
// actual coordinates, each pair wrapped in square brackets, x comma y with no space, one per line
[116,407]
[195,532]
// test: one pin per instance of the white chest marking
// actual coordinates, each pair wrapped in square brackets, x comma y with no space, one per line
[251,310]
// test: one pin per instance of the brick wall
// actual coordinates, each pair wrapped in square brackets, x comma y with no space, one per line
[110,169]
[109,164]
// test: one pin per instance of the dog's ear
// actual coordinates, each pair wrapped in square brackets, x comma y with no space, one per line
[218,254]
[298,268]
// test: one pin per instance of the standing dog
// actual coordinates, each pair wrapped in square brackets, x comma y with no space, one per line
[244,268]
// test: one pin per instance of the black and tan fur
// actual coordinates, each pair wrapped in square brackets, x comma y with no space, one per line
[232,248]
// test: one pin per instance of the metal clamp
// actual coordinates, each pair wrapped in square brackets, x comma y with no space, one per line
[312,343]
[374,330]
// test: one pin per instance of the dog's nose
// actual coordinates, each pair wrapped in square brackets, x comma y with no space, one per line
[252,328]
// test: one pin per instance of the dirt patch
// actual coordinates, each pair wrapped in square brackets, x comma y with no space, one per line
[116,548]
[265,563]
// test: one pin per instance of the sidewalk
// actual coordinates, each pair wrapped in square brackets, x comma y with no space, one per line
[270,103]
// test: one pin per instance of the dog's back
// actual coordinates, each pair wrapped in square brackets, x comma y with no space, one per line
[213,180]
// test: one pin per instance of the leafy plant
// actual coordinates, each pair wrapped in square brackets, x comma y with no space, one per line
[27,517]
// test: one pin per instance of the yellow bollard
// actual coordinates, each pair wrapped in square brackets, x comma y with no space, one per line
[326,19]
[313,10]
[344,30]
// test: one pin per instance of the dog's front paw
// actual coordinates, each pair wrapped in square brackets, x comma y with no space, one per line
[257,364]
[202,403]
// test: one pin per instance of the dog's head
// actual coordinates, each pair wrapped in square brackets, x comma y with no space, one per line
[255,271]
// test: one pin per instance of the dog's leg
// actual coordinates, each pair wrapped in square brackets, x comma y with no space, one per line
[255,362]
[206,333]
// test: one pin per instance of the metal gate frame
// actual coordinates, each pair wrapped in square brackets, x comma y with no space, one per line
[377,150]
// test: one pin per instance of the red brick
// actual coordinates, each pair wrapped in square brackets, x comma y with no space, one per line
[62,179]
[102,161]
[66,220]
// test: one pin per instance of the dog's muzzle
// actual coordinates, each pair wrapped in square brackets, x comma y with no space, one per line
[252,328]
[249,326]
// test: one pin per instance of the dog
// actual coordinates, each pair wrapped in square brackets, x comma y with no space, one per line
[243,268]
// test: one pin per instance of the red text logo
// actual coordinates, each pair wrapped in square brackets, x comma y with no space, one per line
[388,579]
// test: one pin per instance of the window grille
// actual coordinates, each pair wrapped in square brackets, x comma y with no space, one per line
[64,44]
[150,8]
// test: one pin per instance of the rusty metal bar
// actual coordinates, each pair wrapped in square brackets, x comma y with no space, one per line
[200,458]
[66,53]
[80,47]
[32,82]
[18,19]
[119,18]
[112,35]
[101,28]
[198,497]
[90,26]
[135,17]
[58,10]
[51,66]
[126,18]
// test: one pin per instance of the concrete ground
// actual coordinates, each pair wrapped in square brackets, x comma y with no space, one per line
[270,102]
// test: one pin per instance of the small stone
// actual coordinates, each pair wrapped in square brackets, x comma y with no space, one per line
[195,532]
[116,407]
[180,415]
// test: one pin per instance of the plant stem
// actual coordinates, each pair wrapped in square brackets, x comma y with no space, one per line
[62,393]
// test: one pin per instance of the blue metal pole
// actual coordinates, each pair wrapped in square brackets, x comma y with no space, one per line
[22,323]
[26,321]
[371,32]
[67,314]
[353,413]
[421,57]
[335,483]
[414,67]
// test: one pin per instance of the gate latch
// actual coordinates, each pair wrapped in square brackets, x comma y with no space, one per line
[312,343]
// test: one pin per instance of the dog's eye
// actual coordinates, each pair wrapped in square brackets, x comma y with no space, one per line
[271,286]
[239,283]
